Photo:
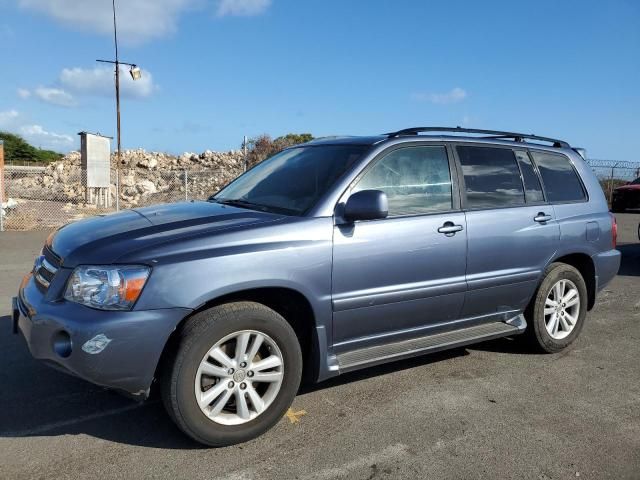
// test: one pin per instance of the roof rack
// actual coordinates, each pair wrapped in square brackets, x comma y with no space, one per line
[495,134]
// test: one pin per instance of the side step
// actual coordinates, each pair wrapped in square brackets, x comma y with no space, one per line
[430,343]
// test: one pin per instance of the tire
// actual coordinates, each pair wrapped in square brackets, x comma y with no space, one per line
[185,373]
[537,331]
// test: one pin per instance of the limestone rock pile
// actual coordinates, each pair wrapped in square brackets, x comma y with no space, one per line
[145,177]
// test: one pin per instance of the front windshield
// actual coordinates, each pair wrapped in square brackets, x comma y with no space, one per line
[636,181]
[292,181]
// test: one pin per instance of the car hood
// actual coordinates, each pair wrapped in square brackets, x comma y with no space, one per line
[103,239]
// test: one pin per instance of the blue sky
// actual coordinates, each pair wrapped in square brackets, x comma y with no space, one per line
[215,70]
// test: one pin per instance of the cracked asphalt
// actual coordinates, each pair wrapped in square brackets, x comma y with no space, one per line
[491,410]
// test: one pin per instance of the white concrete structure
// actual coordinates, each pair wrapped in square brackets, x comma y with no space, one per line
[96,168]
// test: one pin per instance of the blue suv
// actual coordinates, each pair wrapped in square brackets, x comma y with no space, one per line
[330,256]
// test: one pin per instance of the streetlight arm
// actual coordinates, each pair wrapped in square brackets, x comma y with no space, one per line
[117,62]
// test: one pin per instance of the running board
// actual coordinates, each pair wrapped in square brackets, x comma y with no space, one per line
[430,343]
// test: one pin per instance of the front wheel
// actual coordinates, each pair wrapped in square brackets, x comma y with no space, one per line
[556,314]
[233,375]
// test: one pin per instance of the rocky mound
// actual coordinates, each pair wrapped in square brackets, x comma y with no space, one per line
[145,177]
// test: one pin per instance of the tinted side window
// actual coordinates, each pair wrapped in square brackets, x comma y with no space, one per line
[561,182]
[532,187]
[416,180]
[491,176]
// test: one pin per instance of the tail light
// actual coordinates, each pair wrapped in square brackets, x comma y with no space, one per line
[614,230]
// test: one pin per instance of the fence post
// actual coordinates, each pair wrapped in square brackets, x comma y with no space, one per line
[1,170]
[2,184]
[611,183]
[611,186]
[1,197]
[117,192]
[186,186]
[244,150]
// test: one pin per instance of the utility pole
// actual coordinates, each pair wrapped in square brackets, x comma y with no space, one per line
[115,41]
[136,73]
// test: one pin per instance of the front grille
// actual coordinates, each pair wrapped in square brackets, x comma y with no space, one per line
[46,267]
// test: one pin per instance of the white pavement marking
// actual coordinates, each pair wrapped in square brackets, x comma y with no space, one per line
[71,421]
[389,453]
[344,471]
[239,475]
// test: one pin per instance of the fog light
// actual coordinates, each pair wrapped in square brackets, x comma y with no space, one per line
[62,344]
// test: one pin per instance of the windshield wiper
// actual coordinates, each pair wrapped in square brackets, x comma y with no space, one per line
[239,202]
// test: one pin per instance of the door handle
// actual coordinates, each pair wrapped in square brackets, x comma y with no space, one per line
[449,229]
[542,217]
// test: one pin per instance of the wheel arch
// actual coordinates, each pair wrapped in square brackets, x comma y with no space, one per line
[584,264]
[291,304]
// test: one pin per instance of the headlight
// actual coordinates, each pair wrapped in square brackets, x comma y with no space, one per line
[107,287]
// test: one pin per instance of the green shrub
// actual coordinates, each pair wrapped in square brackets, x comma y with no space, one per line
[16,149]
[262,147]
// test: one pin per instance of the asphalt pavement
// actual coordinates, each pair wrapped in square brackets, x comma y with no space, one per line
[493,410]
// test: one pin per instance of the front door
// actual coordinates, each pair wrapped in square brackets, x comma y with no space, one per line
[402,276]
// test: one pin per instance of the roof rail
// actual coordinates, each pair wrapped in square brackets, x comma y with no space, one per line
[518,137]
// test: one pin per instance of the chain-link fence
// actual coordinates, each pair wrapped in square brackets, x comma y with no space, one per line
[45,198]
[613,173]
[37,198]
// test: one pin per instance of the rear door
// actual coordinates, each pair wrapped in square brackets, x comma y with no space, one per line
[511,229]
[401,276]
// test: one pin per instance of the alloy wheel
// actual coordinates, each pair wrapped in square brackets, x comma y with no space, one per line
[562,309]
[239,377]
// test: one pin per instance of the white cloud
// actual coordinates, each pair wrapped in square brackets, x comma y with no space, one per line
[100,81]
[455,95]
[38,136]
[55,96]
[138,20]
[242,7]
[13,121]
[8,117]
[91,81]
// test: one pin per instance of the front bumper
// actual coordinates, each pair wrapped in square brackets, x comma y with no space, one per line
[57,331]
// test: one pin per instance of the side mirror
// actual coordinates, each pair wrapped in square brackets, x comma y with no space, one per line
[366,205]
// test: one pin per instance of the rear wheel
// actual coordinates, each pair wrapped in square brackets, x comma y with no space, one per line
[557,312]
[233,375]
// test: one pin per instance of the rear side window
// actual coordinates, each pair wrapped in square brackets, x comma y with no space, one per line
[491,177]
[561,182]
[416,180]
[532,187]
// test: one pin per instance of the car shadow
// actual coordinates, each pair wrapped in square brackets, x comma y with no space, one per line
[43,402]
[383,369]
